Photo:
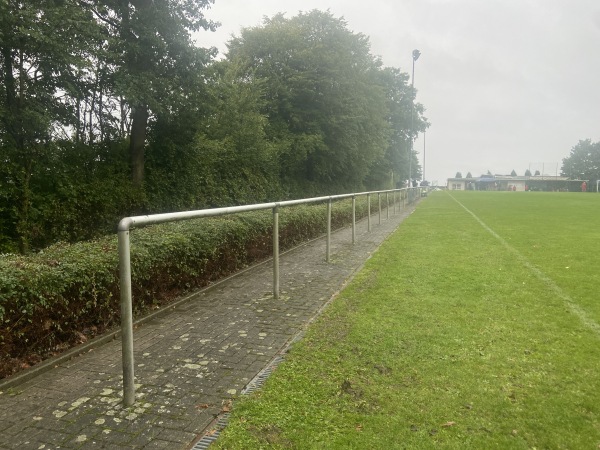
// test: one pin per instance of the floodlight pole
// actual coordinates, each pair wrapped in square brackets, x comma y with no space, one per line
[415,55]
[424,156]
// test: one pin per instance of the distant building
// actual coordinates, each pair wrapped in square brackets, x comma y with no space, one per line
[514,183]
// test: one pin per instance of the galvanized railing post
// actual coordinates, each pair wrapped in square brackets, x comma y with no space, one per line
[379,205]
[354,219]
[328,251]
[368,212]
[126,318]
[387,205]
[276,252]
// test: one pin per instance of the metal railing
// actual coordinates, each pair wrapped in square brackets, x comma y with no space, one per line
[407,195]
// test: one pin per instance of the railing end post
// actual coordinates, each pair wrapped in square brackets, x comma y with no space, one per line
[126,313]
[276,251]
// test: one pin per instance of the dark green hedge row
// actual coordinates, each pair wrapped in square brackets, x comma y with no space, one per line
[70,292]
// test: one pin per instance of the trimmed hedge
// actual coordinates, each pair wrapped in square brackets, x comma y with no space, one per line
[69,293]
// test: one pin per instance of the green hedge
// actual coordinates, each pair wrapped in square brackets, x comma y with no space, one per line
[70,292]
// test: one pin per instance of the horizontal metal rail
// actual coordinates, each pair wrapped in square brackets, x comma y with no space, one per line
[129,223]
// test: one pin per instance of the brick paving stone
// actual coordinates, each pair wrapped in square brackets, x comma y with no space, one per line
[190,361]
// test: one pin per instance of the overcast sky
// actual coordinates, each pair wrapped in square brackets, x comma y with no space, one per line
[507,84]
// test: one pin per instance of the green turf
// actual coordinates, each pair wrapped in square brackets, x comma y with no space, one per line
[474,326]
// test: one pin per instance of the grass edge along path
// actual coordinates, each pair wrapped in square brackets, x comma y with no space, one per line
[444,339]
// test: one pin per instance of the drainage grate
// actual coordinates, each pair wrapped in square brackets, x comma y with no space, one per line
[212,436]
[257,382]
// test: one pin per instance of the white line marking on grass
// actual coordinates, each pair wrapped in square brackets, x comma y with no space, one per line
[573,307]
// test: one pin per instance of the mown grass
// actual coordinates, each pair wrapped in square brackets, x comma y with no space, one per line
[450,337]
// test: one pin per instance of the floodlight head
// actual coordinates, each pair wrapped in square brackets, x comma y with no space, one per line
[416,54]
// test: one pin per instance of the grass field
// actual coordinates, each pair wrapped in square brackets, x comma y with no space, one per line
[474,326]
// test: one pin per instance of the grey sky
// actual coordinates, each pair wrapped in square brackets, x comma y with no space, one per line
[507,84]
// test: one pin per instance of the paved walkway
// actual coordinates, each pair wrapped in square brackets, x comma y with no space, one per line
[190,362]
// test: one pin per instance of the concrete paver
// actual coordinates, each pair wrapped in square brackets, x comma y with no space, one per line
[189,362]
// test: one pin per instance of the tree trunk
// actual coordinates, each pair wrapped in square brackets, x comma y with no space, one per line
[23,210]
[137,142]
[9,86]
[139,110]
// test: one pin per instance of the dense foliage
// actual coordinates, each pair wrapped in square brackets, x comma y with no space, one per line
[109,109]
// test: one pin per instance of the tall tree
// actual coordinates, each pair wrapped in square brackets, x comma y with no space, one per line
[399,96]
[325,107]
[583,163]
[44,45]
[153,59]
